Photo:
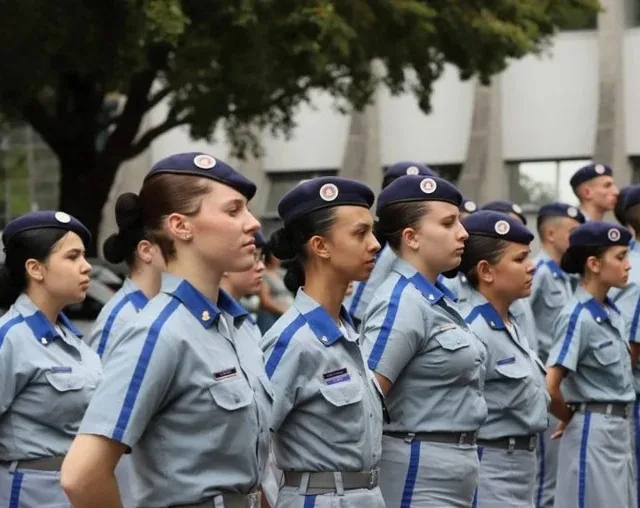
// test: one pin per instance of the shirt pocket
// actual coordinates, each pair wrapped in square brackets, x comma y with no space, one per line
[342,394]
[510,368]
[451,341]
[231,395]
[65,381]
[553,299]
[607,352]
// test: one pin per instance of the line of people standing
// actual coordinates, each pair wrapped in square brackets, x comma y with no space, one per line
[425,387]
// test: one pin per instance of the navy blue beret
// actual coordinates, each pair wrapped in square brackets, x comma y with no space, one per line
[206,166]
[419,188]
[468,206]
[621,207]
[592,234]
[497,225]
[589,172]
[405,168]
[43,220]
[505,206]
[323,192]
[631,197]
[557,209]
[261,241]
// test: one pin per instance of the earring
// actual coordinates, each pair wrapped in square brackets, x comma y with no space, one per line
[187,237]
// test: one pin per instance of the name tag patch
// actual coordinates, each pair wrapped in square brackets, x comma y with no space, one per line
[336,376]
[507,361]
[225,374]
[445,327]
[605,344]
[59,369]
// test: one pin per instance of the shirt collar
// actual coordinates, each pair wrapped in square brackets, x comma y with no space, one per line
[482,307]
[134,294]
[202,308]
[597,310]
[432,293]
[43,329]
[319,320]
[556,271]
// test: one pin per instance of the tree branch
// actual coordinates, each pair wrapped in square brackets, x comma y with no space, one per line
[151,103]
[145,140]
[37,116]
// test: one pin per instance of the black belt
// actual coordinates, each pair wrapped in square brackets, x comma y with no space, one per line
[460,438]
[511,443]
[620,409]
[46,464]
[325,482]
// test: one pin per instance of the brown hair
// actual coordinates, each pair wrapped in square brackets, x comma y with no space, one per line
[393,219]
[167,193]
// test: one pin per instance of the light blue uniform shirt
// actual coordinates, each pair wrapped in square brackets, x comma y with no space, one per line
[460,287]
[515,388]
[46,382]
[551,291]
[120,310]
[185,388]
[328,410]
[416,339]
[363,291]
[590,342]
[628,301]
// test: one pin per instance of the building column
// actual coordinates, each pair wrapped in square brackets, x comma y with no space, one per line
[610,146]
[484,176]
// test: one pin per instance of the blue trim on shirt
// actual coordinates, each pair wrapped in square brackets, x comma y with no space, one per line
[582,466]
[8,325]
[16,486]
[141,369]
[106,331]
[573,321]
[412,473]
[489,314]
[281,344]
[357,295]
[389,318]
[636,428]
[634,322]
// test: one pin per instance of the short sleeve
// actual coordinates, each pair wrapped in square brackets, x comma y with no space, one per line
[628,302]
[134,385]
[567,340]
[8,378]
[393,332]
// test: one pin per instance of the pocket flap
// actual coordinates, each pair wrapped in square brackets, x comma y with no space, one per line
[342,394]
[231,395]
[451,340]
[607,352]
[511,370]
[63,381]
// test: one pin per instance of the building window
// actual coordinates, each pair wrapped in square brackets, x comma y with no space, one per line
[279,185]
[538,183]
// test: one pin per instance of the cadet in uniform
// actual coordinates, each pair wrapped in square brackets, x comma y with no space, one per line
[185,387]
[628,301]
[145,263]
[327,418]
[497,264]
[594,187]
[552,289]
[363,291]
[590,359]
[619,209]
[428,362]
[47,374]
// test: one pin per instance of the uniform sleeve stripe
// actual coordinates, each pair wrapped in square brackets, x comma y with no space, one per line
[106,331]
[634,322]
[573,321]
[281,344]
[355,301]
[8,325]
[141,369]
[387,324]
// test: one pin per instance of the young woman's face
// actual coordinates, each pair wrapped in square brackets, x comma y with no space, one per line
[439,237]
[513,273]
[613,266]
[350,244]
[65,272]
[248,282]
[224,230]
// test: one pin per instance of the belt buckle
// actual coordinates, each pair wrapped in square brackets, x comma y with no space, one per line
[253,499]
[532,443]
[373,478]
[463,437]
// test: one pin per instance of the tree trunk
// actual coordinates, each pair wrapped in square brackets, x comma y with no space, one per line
[84,189]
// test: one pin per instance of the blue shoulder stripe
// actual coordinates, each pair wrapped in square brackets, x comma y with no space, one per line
[387,324]
[281,344]
[8,325]
[355,301]
[106,331]
[573,321]
[141,369]
[475,312]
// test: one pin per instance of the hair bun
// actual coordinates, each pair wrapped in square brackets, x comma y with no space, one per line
[113,250]
[128,211]
[281,246]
